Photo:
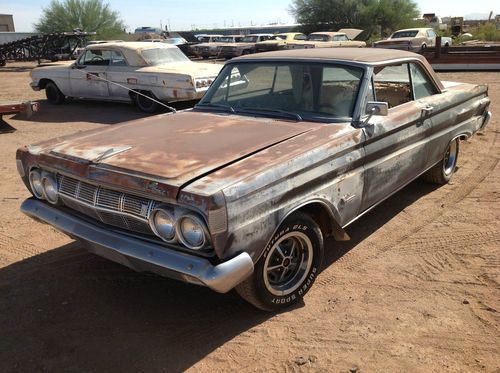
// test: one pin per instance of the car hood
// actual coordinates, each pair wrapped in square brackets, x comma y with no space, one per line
[178,148]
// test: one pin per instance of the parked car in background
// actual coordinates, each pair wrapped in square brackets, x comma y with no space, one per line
[279,41]
[207,50]
[245,46]
[329,39]
[415,39]
[205,38]
[285,149]
[120,71]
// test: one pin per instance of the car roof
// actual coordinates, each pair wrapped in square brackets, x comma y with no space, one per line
[130,49]
[365,55]
[414,29]
[369,56]
[331,33]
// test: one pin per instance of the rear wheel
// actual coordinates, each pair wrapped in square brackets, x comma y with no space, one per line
[288,267]
[145,103]
[54,95]
[442,172]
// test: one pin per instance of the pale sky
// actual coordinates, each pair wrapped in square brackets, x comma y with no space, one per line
[183,14]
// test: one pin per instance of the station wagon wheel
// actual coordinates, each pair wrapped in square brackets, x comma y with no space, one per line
[288,266]
[145,104]
[442,172]
[54,95]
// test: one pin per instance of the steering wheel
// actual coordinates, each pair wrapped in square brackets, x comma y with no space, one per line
[97,58]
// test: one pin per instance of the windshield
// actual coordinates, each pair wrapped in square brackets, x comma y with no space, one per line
[310,91]
[318,37]
[249,39]
[404,34]
[162,56]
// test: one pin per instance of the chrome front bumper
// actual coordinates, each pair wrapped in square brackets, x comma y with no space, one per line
[143,256]
[487,117]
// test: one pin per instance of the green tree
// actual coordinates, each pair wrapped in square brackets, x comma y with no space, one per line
[87,15]
[323,15]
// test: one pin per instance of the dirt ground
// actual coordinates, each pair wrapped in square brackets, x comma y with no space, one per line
[417,289]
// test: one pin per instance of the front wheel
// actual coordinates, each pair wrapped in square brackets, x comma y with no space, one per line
[288,267]
[442,172]
[53,93]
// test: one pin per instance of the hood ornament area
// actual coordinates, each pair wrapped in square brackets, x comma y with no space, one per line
[109,153]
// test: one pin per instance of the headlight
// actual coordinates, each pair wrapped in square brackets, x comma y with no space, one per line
[162,222]
[49,185]
[192,232]
[35,178]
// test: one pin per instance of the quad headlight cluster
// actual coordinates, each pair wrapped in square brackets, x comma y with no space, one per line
[174,226]
[44,185]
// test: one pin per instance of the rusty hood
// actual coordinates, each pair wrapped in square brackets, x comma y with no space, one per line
[178,148]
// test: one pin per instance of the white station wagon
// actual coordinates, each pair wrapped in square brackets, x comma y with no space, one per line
[127,72]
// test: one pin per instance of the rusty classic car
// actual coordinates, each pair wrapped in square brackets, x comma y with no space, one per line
[244,46]
[126,72]
[415,39]
[329,39]
[285,149]
[207,50]
[279,41]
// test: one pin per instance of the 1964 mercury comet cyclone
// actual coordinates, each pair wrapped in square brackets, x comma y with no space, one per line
[284,149]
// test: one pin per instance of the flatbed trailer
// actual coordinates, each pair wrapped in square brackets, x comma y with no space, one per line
[16,107]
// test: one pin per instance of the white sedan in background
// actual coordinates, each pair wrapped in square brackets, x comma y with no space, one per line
[127,72]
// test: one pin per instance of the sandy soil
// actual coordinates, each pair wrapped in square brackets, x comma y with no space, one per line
[417,289]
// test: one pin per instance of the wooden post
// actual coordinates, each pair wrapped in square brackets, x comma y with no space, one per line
[437,47]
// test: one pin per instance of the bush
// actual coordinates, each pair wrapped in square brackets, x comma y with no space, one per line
[487,32]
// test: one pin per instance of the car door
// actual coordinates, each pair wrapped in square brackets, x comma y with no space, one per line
[88,78]
[120,76]
[438,113]
[395,144]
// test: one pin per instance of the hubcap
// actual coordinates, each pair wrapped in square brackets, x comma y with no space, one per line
[288,263]
[450,158]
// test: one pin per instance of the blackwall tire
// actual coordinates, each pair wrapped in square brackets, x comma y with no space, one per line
[144,104]
[442,172]
[288,266]
[54,95]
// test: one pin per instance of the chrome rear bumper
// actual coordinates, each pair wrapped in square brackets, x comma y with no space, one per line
[143,256]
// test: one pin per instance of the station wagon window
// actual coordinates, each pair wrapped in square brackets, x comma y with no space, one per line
[392,84]
[96,57]
[422,85]
[314,91]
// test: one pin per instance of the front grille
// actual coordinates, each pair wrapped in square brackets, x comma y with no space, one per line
[111,207]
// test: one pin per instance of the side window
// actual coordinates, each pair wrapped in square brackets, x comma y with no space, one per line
[300,37]
[117,59]
[96,57]
[340,38]
[431,33]
[392,84]
[422,85]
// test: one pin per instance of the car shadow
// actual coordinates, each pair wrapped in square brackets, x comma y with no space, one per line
[93,112]
[66,309]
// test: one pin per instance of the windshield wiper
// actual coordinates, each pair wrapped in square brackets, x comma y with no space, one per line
[221,106]
[289,114]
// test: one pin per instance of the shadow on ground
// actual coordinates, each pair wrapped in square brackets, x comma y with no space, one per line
[92,112]
[69,310]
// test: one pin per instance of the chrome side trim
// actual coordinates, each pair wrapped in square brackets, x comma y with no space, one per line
[144,256]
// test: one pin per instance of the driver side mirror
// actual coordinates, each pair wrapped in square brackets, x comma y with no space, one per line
[377,108]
